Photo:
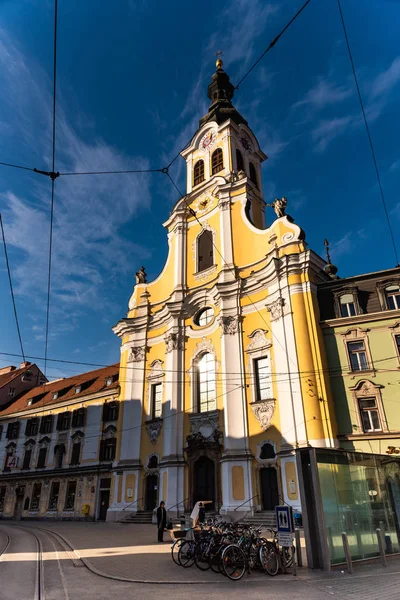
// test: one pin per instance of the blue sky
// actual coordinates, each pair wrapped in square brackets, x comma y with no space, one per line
[132,83]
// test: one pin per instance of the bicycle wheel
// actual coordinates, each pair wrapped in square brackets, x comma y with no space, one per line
[201,558]
[175,550]
[186,554]
[215,559]
[269,559]
[233,562]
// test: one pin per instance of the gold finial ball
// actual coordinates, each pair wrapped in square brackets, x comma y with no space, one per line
[219,64]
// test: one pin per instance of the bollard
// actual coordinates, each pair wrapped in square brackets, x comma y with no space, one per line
[347,552]
[381,544]
[298,548]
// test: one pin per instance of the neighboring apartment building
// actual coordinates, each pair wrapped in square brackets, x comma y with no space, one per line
[360,320]
[57,444]
[14,381]
[359,485]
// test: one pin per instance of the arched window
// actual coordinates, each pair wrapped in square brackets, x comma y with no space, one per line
[206,390]
[347,306]
[205,255]
[267,451]
[153,462]
[198,172]
[239,160]
[393,296]
[253,174]
[217,160]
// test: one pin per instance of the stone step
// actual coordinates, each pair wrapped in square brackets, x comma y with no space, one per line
[141,517]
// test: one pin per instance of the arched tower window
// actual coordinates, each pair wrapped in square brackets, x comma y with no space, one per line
[206,388]
[205,254]
[253,174]
[217,161]
[198,172]
[239,160]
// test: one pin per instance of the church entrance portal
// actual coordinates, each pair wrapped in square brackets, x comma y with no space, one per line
[269,488]
[204,481]
[151,492]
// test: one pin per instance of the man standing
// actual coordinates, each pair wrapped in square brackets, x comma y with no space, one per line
[161,520]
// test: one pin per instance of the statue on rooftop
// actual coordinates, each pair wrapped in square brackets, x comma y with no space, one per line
[279,206]
[141,276]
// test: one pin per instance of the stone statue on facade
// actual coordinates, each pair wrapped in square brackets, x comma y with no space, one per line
[279,206]
[141,276]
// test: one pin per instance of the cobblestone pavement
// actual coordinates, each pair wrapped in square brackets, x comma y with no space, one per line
[129,552]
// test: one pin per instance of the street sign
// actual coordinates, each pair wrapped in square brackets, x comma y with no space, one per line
[285,539]
[284,519]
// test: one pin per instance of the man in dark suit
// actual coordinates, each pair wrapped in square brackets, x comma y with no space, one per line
[161,520]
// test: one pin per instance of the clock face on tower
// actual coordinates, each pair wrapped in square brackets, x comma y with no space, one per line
[208,140]
[246,144]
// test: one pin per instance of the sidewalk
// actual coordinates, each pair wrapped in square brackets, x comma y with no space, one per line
[130,553]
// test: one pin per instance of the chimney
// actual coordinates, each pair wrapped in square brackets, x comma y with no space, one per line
[7,369]
[25,364]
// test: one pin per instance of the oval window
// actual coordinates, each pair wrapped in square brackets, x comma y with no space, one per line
[204,317]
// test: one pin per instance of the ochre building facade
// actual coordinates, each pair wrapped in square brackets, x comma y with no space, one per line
[222,373]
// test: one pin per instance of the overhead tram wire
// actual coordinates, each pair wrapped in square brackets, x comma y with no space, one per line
[165,169]
[53,175]
[272,44]
[11,288]
[368,133]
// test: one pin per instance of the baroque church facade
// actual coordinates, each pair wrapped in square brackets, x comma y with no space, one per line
[222,368]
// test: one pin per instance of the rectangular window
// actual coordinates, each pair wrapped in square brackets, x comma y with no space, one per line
[37,489]
[12,430]
[46,424]
[1,431]
[27,458]
[396,339]
[63,421]
[55,490]
[110,411]
[32,426]
[70,496]
[156,400]
[263,378]
[2,496]
[75,454]
[78,417]
[206,384]
[347,306]
[107,449]
[369,415]
[358,356]
[41,463]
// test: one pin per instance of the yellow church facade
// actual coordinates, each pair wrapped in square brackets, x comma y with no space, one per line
[222,371]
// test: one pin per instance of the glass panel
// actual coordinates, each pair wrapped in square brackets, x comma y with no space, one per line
[359,493]
[365,420]
[354,346]
[206,383]
[354,362]
[397,338]
[263,378]
[375,420]
[363,360]
[367,403]
[391,303]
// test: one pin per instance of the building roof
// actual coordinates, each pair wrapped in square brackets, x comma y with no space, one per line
[7,374]
[91,382]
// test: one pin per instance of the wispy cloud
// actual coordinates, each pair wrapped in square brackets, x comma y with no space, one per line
[329,129]
[239,27]
[395,166]
[89,251]
[325,92]
[385,82]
